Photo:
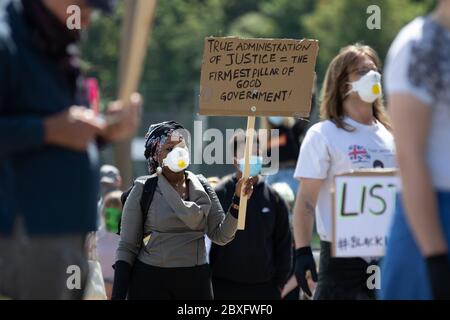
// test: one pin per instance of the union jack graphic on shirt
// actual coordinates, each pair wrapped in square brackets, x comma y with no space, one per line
[358,153]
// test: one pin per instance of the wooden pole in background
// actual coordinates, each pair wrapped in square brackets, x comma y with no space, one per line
[136,30]
[127,22]
[247,154]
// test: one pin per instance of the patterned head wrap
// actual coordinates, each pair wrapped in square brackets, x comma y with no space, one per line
[155,138]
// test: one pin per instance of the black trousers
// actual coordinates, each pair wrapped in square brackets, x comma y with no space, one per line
[228,290]
[155,283]
[342,278]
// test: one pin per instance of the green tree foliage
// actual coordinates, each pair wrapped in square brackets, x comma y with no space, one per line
[172,69]
[339,23]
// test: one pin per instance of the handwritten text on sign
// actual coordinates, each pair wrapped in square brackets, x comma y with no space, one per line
[275,77]
[364,206]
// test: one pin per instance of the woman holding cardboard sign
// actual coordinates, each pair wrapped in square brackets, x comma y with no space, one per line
[354,133]
[161,253]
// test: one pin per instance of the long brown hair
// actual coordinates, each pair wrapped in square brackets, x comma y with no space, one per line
[336,86]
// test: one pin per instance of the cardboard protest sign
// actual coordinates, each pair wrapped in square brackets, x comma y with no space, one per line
[363,206]
[257,77]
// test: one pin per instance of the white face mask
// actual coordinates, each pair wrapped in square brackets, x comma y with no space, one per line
[368,87]
[177,160]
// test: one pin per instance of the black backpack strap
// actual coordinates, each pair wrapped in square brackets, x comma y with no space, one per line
[123,199]
[147,196]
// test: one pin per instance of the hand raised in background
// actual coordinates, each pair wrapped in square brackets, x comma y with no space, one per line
[122,121]
[73,129]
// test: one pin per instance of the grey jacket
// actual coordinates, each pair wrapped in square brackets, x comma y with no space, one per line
[176,227]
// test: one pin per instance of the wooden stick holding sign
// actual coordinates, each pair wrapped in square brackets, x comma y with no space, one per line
[137,22]
[247,154]
[256,77]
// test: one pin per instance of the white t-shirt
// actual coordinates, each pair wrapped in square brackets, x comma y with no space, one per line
[418,63]
[327,151]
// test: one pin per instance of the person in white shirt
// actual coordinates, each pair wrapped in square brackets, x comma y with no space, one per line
[354,133]
[417,263]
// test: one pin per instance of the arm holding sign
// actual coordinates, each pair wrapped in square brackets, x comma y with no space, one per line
[221,227]
[411,119]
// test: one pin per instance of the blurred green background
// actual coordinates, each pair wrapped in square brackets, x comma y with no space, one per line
[170,81]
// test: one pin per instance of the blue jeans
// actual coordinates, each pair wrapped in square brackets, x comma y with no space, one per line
[403,270]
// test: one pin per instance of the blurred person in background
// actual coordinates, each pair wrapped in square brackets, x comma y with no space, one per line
[213,182]
[417,265]
[256,264]
[291,290]
[291,132]
[354,133]
[48,151]
[107,237]
[288,195]
[162,253]
[110,180]
[290,135]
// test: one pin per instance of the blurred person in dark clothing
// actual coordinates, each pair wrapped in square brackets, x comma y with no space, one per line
[290,292]
[49,180]
[256,264]
[288,141]
[290,135]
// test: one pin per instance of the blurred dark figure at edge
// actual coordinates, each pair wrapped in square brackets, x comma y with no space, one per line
[48,149]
